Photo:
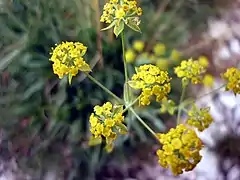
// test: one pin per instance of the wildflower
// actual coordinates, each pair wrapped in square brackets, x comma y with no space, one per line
[168,106]
[105,123]
[130,55]
[180,151]
[232,76]
[120,12]
[138,45]
[67,59]
[190,70]
[203,60]
[208,80]
[159,49]
[199,118]
[162,63]
[175,55]
[152,81]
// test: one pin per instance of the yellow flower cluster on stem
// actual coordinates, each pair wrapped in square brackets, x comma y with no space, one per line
[152,82]
[106,122]
[190,71]
[120,12]
[232,76]
[119,9]
[180,150]
[67,59]
[199,118]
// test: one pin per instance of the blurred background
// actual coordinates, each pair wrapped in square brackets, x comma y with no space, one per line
[44,125]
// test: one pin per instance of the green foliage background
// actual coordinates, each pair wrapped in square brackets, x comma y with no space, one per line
[41,114]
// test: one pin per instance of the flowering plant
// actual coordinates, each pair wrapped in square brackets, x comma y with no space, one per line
[180,146]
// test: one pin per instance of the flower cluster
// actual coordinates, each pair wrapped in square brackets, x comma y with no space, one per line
[119,9]
[232,76]
[190,70]
[120,12]
[105,123]
[67,59]
[199,118]
[160,55]
[152,81]
[180,150]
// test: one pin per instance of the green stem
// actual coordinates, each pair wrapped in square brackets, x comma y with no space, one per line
[125,69]
[104,88]
[143,123]
[124,57]
[191,100]
[213,91]
[131,104]
[179,106]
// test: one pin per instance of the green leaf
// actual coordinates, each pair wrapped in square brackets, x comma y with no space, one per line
[70,78]
[109,27]
[119,27]
[85,68]
[133,24]
[133,84]
[94,141]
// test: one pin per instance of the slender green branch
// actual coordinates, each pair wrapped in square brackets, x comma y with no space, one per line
[191,100]
[213,91]
[131,104]
[179,106]
[143,123]
[124,56]
[126,89]
[104,88]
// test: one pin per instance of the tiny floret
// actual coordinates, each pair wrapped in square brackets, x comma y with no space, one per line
[232,76]
[152,82]
[199,118]
[180,150]
[67,59]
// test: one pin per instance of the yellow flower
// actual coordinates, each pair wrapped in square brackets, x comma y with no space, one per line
[203,60]
[159,49]
[104,122]
[180,151]
[175,55]
[138,45]
[67,59]
[232,76]
[190,70]
[152,81]
[208,80]
[120,12]
[162,63]
[199,118]
[130,56]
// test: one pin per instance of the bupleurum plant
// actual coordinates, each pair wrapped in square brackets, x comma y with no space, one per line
[180,146]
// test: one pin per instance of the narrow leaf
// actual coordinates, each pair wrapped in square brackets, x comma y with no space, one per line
[109,27]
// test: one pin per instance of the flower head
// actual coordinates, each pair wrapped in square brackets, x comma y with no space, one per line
[180,150]
[190,70]
[130,55]
[199,118]
[208,80]
[105,123]
[232,76]
[67,59]
[120,12]
[138,45]
[152,82]
[159,49]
